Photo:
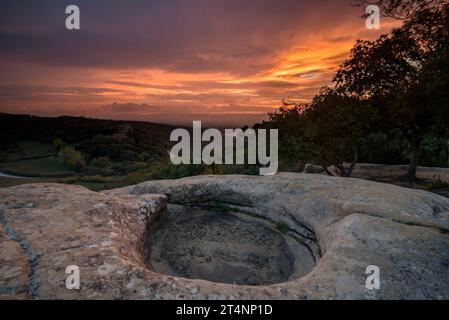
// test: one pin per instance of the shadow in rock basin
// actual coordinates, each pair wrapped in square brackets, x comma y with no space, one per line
[225,247]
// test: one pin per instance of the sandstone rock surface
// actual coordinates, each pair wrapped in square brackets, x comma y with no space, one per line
[348,224]
[311,168]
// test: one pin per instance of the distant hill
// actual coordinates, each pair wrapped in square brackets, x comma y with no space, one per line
[98,154]
[92,136]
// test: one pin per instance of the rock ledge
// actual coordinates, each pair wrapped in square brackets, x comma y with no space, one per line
[348,224]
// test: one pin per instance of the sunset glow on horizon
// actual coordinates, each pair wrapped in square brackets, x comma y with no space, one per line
[223,62]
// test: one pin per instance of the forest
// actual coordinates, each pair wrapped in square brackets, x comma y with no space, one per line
[389,104]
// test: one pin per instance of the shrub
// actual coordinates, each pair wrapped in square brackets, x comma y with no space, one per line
[73,159]
[437,184]
[101,163]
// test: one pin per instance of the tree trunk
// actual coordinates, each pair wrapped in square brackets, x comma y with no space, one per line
[355,159]
[411,174]
[448,153]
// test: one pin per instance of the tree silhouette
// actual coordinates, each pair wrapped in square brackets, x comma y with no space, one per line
[326,132]
[335,125]
[405,74]
[403,9]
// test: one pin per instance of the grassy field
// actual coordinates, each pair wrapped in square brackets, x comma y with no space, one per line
[11,182]
[48,167]
[30,149]
[41,163]
[35,149]
[94,184]
[34,159]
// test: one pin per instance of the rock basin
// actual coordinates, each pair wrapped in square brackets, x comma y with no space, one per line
[225,247]
[345,224]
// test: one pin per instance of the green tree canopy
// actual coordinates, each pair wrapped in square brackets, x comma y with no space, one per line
[326,132]
[405,74]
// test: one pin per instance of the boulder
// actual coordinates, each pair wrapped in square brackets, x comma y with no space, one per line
[347,225]
[311,168]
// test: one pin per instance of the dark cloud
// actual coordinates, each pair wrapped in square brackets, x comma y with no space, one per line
[170,59]
[21,91]
[184,36]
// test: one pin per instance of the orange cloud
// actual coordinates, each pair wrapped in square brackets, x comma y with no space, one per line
[227,62]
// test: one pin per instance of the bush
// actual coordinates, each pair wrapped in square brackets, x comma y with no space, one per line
[58,143]
[437,184]
[73,159]
[101,163]
[129,155]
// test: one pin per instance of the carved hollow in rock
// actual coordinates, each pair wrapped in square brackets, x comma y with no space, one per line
[224,247]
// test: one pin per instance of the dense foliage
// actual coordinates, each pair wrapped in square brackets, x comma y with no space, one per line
[390,100]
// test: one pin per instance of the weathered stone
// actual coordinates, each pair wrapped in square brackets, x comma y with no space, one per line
[70,225]
[14,269]
[348,224]
[311,168]
[225,247]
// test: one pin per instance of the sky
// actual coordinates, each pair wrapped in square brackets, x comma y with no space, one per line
[225,62]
